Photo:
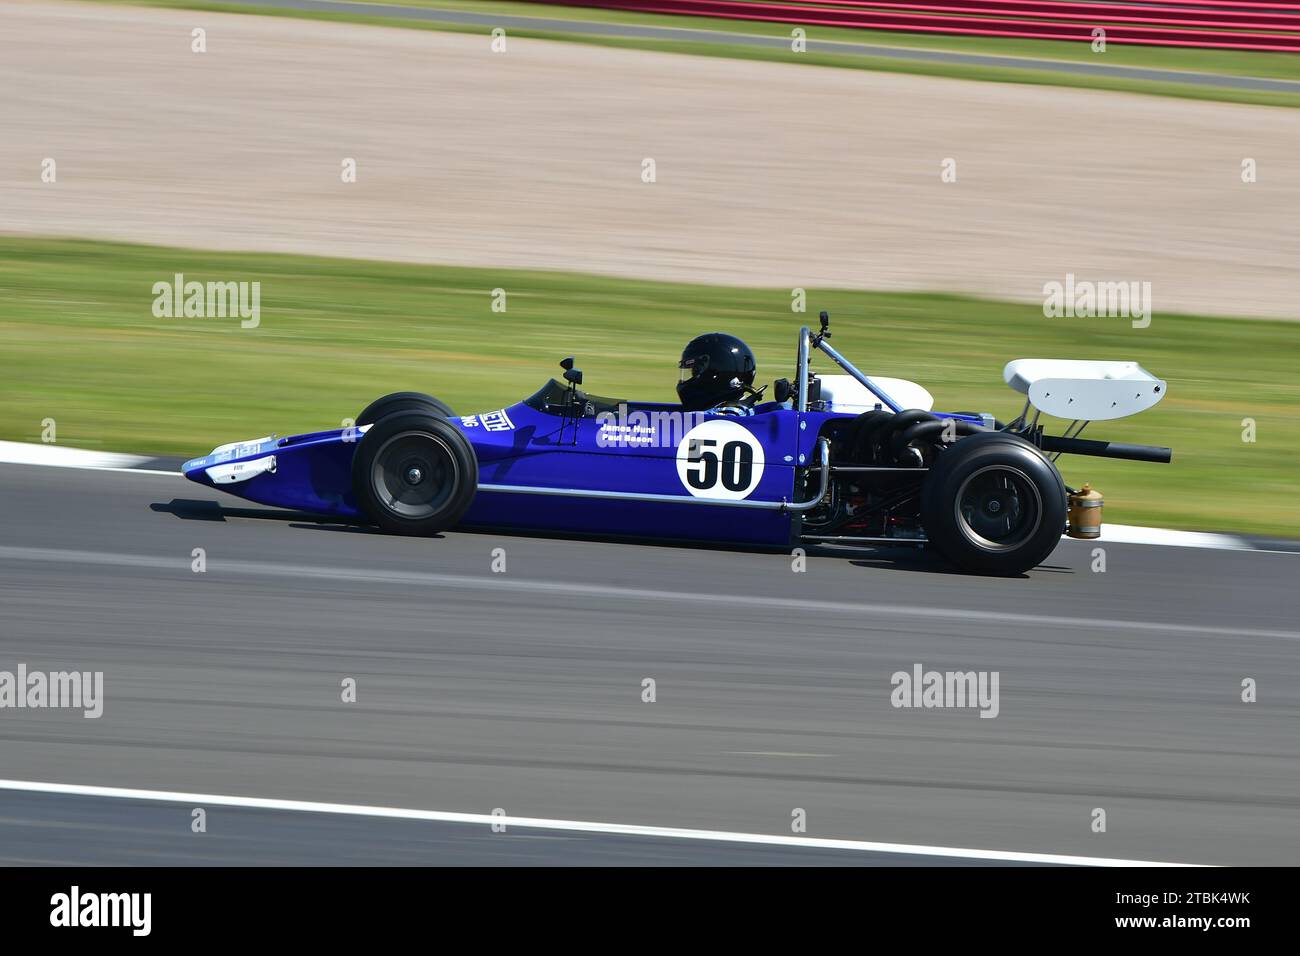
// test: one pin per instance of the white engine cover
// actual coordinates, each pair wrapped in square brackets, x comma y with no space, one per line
[1083,390]
[846,394]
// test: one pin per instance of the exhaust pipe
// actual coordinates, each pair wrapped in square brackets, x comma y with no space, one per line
[1106,449]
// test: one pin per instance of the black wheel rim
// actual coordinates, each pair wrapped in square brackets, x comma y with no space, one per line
[414,474]
[998,508]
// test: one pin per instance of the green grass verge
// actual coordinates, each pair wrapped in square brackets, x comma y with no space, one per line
[1227,62]
[80,345]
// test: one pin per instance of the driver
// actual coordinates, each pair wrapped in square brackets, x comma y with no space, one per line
[716,369]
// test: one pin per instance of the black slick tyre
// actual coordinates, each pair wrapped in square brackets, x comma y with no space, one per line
[414,473]
[993,503]
[402,402]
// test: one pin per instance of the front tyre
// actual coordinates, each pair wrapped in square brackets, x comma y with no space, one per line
[993,503]
[414,473]
[402,402]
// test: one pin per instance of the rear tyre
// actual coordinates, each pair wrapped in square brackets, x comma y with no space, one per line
[403,402]
[993,503]
[414,473]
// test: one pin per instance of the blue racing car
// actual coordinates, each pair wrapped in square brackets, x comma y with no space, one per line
[826,458]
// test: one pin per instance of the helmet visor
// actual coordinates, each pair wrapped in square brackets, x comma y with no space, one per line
[692,367]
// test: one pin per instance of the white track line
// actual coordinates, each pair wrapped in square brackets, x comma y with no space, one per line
[1133,534]
[582,826]
[55,456]
[501,583]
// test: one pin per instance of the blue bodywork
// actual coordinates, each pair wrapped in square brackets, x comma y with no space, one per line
[531,445]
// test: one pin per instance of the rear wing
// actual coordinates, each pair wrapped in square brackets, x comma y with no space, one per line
[1084,390]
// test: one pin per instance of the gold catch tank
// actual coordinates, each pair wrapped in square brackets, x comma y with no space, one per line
[1085,513]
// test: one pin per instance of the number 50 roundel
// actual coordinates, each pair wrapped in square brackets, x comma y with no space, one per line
[720,459]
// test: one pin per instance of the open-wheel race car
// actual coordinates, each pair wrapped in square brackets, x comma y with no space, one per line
[826,459]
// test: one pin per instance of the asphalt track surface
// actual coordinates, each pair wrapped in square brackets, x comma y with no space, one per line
[97,832]
[523,691]
[605,29]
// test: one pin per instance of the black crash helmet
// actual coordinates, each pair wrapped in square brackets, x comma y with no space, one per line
[709,364]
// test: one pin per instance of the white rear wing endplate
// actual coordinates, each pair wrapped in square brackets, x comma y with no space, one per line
[1084,390]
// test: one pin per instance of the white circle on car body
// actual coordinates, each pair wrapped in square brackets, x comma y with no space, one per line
[720,459]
